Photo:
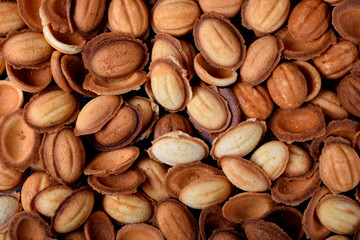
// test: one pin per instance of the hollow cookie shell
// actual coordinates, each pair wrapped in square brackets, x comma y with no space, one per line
[112,162]
[154,185]
[114,86]
[28,79]
[11,98]
[345,129]
[213,75]
[293,191]
[19,143]
[68,43]
[312,77]
[56,72]
[288,219]
[124,183]
[29,12]
[233,103]
[150,112]
[25,225]
[99,226]
[345,18]
[305,50]
[74,72]
[296,125]
[212,219]
[56,15]
[245,206]
[312,226]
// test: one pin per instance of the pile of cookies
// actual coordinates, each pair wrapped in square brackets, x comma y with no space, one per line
[180,119]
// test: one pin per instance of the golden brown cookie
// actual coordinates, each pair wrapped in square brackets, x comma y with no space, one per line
[26,49]
[51,109]
[309,20]
[129,17]
[139,231]
[262,56]
[264,16]
[175,17]
[210,28]
[96,113]
[10,18]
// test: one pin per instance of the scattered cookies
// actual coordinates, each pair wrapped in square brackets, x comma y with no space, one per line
[180,119]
